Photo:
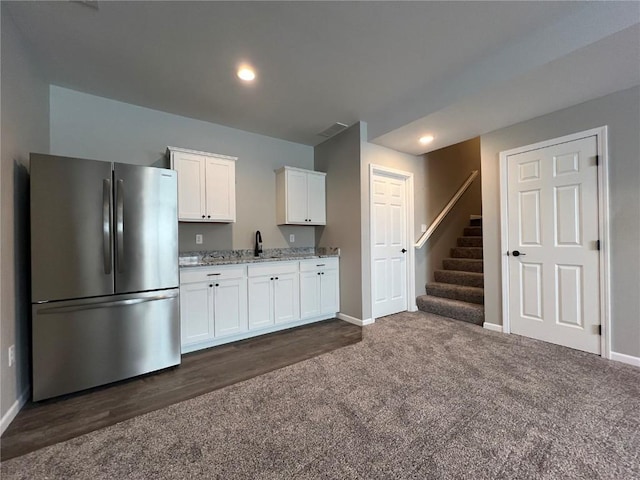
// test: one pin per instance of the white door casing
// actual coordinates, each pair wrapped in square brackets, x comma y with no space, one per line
[553,199]
[391,221]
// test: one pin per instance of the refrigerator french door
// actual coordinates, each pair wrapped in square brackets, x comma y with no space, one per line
[104,261]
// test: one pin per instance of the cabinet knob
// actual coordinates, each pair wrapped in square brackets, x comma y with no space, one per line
[318,273]
[208,216]
[217,284]
[271,278]
[211,285]
[202,216]
[322,273]
[276,278]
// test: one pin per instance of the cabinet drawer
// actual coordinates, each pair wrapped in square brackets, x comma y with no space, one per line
[203,274]
[318,264]
[273,268]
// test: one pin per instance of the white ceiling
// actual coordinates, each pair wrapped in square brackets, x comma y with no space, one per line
[454,69]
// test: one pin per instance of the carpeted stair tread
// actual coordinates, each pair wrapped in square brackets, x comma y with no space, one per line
[456,292]
[466,252]
[463,264]
[475,222]
[472,231]
[469,241]
[467,312]
[468,279]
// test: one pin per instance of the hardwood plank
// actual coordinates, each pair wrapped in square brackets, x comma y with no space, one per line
[51,421]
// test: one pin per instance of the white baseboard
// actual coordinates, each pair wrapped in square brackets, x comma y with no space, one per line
[354,320]
[624,358]
[8,417]
[494,327]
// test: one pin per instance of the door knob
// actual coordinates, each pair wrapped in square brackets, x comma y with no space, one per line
[516,253]
[403,250]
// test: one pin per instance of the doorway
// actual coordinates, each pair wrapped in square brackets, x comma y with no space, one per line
[392,256]
[554,220]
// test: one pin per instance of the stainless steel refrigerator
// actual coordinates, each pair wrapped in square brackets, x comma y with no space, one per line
[104,272]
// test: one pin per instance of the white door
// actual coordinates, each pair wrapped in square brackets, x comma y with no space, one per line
[553,233]
[389,244]
[286,297]
[191,185]
[221,199]
[296,196]
[329,292]
[316,199]
[196,313]
[309,294]
[260,302]
[230,306]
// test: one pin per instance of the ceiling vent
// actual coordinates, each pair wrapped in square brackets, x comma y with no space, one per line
[333,130]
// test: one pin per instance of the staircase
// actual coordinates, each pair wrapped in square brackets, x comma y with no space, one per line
[458,290]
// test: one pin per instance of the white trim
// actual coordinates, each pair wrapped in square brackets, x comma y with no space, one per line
[198,152]
[494,327]
[411,305]
[624,358]
[8,417]
[601,135]
[354,320]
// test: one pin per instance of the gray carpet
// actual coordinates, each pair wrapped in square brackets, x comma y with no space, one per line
[420,397]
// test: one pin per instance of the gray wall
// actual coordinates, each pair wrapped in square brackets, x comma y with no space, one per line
[25,127]
[386,157]
[446,170]
[346,159]
[339,157]
[92,127]
[621,112]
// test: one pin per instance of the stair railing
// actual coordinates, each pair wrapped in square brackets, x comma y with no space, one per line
[438,220]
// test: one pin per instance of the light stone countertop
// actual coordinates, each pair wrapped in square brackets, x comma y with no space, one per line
[231,257]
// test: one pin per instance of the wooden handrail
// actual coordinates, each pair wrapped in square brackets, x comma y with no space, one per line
[463,188]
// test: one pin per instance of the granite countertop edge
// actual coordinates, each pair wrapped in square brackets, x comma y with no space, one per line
[235,261]
[234,257]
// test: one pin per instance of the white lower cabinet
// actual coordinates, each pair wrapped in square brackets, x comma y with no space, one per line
[273,294]
[319,287]
[213,304]
[196,313]
[230,302]
[230,306]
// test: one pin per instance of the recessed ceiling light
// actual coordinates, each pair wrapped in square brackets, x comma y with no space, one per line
[246,73]
[426,139]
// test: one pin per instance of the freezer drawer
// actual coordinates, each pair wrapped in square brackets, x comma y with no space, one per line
[85,343]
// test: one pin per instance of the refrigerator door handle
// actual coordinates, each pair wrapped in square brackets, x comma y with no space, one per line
[120,224]
[112,304]
[107,244]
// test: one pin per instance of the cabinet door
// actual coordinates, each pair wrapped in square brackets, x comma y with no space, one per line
[191,185]
[221,190]
[230,306]
[329,293]
[196,313]
[317,210]
[296,197]
[260,302]
[309,294]
[286,298]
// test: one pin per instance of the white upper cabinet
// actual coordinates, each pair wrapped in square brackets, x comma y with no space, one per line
[206,185]
[300,197]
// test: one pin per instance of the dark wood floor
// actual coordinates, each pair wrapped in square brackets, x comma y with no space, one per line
[45,423]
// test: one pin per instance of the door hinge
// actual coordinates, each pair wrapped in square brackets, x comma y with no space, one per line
[597,160]
[600,330]
[597,244]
